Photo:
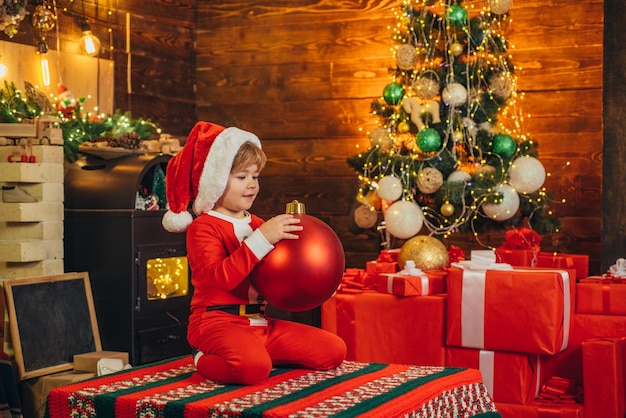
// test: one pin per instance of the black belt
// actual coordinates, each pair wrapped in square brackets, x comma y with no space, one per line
[254,309]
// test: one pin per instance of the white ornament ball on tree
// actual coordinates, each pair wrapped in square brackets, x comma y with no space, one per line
[429,180]
[404,219]
[505,209]
[389,188]
[406,57]
[454,94]
[500,7]
[527,174]
[459,177]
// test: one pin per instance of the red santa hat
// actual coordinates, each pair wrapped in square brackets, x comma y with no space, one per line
[200,170]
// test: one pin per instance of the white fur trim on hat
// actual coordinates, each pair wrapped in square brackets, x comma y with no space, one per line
[218,165]
[176,222]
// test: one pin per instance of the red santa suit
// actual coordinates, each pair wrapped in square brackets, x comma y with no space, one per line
[232,339]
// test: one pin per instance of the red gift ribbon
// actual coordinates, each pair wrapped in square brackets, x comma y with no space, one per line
[606,299]
[560,390]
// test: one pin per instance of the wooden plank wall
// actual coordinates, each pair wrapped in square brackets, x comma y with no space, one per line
[158,36]
[301,74]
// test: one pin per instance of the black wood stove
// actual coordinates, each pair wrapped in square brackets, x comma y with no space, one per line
[138,271]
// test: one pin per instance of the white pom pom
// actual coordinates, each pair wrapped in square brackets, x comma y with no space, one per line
[176,222]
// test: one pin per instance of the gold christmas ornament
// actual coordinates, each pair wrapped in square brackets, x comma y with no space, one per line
[427,253]
[365,217]
[404,127]
[406,57]
[456,49]
[429,180]
[447,209]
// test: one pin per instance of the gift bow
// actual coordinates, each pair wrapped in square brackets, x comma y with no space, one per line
[618,269]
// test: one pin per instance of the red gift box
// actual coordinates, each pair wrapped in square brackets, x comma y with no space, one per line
[596,295]
[540,410]
[603,374]
[536,258]
[509,377]
[578,262]
[520,310]
[428,283]
[588,326]
[389,255]
[376,268]
[517,257]
[384,328]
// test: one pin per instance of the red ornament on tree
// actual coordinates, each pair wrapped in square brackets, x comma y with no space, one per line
[300,274]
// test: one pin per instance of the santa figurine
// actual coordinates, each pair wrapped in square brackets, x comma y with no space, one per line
[66,102]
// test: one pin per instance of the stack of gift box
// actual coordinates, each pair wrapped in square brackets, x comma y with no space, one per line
[549,340]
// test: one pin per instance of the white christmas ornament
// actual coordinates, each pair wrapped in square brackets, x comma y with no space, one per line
[454,94]
[389,188]
[505,209]
[459,177]
[527,174]
[404,219]
[500,7]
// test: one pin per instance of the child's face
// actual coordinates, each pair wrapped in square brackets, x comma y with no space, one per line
[241,190]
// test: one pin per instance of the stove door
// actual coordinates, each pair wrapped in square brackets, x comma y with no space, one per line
[162,302]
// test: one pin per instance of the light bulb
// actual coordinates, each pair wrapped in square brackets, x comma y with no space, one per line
[3,70]
[45,70]
[89,44]
[42,50]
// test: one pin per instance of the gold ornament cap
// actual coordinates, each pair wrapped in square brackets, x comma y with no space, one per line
[295,207]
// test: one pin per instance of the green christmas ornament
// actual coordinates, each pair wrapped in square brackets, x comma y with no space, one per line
[456,14]
[393,93]
[504,145]
[428,140]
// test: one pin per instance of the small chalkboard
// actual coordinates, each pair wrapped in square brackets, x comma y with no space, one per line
[51,318]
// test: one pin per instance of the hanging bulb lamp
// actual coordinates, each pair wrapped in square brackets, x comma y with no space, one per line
[89,43]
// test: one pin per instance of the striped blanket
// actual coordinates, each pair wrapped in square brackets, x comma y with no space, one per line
[173,389]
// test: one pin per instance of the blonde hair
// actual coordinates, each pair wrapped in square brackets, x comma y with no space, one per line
[247,155]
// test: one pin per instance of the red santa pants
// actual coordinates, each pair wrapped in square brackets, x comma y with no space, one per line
[236,352]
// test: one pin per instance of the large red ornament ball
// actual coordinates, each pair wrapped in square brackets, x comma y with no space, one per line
[301,274]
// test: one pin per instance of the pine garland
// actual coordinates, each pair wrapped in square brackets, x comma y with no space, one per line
[17,106]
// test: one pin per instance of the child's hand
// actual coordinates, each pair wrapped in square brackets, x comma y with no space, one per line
[280,227]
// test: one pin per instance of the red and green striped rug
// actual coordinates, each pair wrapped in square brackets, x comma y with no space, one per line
[173,389]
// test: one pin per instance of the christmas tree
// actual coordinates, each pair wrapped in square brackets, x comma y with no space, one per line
[450,152]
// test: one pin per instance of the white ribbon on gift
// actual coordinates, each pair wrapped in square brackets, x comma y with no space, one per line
[619,268]
[473,295]
[409,270]
[486,361]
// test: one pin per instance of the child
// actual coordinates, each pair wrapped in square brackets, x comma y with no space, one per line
[233,342]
